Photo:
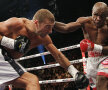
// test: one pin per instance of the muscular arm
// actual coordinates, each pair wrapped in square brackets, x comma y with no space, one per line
[80,79]
[3,29]
[6,27]
[70,27]
[59,57]
[65,28]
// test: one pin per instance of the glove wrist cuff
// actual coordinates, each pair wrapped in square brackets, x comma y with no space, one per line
[7,42]
[72,70]
[98,48]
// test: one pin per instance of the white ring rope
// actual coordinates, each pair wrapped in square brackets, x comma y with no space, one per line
[46,53]
[55,65]
[52,65]
[57,80]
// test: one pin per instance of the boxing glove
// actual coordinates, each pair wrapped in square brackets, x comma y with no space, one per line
[20,44]
[81,80]
[87,45]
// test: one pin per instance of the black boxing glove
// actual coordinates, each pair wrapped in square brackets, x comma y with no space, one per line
[81,80]
[20,44]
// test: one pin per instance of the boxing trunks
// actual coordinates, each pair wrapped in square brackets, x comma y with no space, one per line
[9,69]
[97,64]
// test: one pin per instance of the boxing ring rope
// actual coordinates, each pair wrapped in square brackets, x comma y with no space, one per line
[52,65]
[56,81]
[46,53]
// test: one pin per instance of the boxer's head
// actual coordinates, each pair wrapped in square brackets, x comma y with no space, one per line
[99,13]
[44,21]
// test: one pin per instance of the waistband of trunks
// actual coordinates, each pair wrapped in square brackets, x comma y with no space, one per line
[94,54]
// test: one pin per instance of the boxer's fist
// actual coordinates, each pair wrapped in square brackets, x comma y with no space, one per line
[21,44]
[81,80]
[86,45]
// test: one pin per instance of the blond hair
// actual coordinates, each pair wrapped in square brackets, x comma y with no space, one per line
[43,14]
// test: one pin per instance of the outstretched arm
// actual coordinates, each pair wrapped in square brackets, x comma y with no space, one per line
[80,78]
[70,27]
[59,57]
[66,28]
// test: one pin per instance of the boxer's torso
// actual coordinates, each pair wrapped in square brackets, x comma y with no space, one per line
[97,35]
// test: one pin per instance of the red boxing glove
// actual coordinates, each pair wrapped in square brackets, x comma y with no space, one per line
[86,45]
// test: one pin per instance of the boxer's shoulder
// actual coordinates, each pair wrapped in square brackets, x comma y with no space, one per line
[84,20]
[14,21]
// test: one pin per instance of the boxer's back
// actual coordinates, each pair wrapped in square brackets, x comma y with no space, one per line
[12,27]
[15,27]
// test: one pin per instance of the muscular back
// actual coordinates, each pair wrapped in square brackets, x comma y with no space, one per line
[15,27]
[12,27]
[97,35]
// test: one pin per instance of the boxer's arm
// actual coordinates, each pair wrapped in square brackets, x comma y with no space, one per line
[72,26]
[80,79]
[66,28]
[59,57]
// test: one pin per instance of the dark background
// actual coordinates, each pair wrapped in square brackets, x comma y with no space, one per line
[64,11]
